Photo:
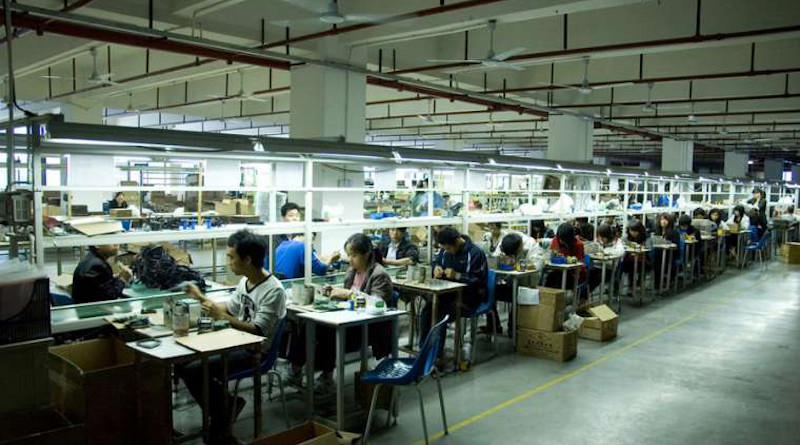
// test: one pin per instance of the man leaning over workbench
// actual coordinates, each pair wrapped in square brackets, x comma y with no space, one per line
[257,305]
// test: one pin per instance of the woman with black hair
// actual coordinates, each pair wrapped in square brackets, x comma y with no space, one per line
[759,200]
[635,235]
[566,243]
[539,230]
[717,217]
[665,229]
[118,202]
[738,222]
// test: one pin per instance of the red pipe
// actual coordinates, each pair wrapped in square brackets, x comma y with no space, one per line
[69,8]
[615,47]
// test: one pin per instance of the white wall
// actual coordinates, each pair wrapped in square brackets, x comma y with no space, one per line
[95,171]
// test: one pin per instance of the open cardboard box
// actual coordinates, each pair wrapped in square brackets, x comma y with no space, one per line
[601,326]
[92,226]
[541,309]
[310,433]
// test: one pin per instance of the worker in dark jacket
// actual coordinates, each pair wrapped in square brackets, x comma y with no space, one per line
[94,280]
[398,250]
[118,202]
[462,261]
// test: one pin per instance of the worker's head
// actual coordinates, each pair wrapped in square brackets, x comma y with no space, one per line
[685,221]
[666,221]
[360,251]
[105,251]
[290,212]
[495,229]
[246,252]
[119,197]
[715,215]
[636,231]
[606,234]
[566,235]
[511,245]
[699,213]
[758,193]
[397,234]
[738,212]
[450,240]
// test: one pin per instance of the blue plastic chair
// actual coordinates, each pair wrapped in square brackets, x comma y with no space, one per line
[267,366]
[758,249]
[59,299]
[486,308]
[584,285]
[406,372]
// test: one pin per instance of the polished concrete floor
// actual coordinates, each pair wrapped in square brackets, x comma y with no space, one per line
[717,364]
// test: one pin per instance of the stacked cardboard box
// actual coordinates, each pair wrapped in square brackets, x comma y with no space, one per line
[793,255]
[540,318]
[601,325]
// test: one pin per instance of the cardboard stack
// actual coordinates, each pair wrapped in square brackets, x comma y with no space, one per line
[601,325]
[540,318]
[310,433]
[793,253]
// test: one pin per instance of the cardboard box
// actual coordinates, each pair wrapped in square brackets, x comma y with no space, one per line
[793,255]
[548,315]
[601,326]
[121,213]
[44,426]
[97,383]
[64,281]
[93,225]
[558,346]
[226,207]
[310,433]
[49,210]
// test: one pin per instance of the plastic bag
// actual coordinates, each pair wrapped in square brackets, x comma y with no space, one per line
[574,323]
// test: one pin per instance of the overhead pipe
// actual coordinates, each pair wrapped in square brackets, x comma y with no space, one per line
[12,101]
[69,8]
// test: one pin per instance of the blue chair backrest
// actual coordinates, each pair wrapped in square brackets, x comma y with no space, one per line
[491,283]
[276,344]
[395,297]
[763,241]
[753,234]
[587,261]
[59,299]
[426,359]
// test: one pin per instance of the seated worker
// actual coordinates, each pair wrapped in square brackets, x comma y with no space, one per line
[462,261]
[257,306]
[717,217]
[583,229]
[118,202]
[290,259]
[290,212]
[94,280]
[738,222]
[566,243]
[492,238]
[686,228]
[539,230]
[699,213]
[609,244]
[667,230]
[398,250]
[636,236]
[515,246]
[789,215]
[365,275]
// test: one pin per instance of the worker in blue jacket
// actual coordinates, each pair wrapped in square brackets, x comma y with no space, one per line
[290,259]
[462,261]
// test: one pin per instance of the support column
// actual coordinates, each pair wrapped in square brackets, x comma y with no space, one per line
[569,138]
[736,165]
[328,103]
[677,156]
[773,169]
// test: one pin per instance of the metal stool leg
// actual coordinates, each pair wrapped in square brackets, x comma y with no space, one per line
[441,398]
[422,413]
[283,396]
[375,392]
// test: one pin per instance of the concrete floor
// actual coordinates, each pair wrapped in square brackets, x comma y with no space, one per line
[714,365]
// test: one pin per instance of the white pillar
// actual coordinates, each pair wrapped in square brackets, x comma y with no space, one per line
[736,165]
[569,138]
[773,169]
[796,173]
[330,103]
[677,156]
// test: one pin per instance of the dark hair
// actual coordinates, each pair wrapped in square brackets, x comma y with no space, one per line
[447,236]
[670,226]
[605,231]
[566,234]
[496,224]
[118,194]
[685,220]
[402,229]
[637,226]
[250,245]
[510,244]
[288,207]
[715,212]
[740,210]
[699,213]
[361,244]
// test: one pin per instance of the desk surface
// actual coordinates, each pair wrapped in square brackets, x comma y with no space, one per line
[140,291]
[637,250]
[665,246]
[515,273]
[434,285]
[349,318]
[604,257]
[565,266]
[171,349]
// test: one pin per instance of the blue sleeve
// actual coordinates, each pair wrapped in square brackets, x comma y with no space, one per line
[317,266]
[477,271]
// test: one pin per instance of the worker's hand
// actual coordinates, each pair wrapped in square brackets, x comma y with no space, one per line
[211,308]
[438,272]
[510,260]
[125,273]
[335,255]
[450,273]
[339,293]
[194,292]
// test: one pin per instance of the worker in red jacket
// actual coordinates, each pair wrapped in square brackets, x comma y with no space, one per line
[566,244]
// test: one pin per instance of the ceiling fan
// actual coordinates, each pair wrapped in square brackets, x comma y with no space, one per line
[427,118]
[585,86]
[650,107]
[492,60]
[328,13]
[242,95]
[103,80]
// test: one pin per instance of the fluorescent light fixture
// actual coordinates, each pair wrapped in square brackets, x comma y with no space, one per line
[559,167]
[258,146]
[750,162]
[646,174]
[397,157]
[608,171]
[492,161]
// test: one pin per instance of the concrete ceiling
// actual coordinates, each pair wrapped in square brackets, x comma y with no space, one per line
[732,65]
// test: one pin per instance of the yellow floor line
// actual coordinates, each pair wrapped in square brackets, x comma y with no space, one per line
[549,384]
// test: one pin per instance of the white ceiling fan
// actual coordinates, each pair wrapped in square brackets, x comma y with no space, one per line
[650,107]
[586,87]
[328,13]
[242,95]
[104,80]
[492,60]
[427,118]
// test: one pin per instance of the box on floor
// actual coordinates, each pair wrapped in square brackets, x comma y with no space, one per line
[793,253]
[601,326]
[558,346]
[540,309]
[310,433]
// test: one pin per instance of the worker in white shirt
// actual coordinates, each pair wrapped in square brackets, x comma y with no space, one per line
[492,238]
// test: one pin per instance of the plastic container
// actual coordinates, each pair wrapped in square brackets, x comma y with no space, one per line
[180,319]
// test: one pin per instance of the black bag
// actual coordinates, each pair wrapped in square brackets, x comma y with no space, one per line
[156,269]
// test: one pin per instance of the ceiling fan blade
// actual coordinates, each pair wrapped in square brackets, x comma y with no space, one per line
[255,99]
[454,61]
[612,85]
[309,5]
[510,66]
[510,53]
